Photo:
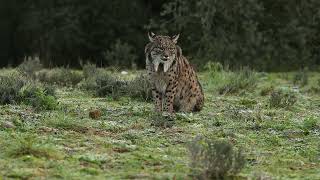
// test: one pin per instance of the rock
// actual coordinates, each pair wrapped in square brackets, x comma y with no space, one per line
[121,150]
[48,130]
[124,72]
[8,125]
[95,114]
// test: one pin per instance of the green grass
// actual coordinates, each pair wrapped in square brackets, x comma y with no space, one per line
[129,141]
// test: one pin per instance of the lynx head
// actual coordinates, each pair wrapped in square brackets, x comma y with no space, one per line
[163,51]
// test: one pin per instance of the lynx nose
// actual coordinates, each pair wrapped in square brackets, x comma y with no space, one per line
[165,57]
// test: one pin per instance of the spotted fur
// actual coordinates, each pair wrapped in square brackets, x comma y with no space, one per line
[175,86]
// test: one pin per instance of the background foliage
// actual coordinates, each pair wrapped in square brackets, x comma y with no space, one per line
[270,35]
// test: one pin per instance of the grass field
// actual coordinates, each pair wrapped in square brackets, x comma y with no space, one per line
[275,122]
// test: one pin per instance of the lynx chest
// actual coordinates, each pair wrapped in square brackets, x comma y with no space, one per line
[161,81]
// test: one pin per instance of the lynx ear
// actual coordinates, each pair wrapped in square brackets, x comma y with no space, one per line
[151,36]
[147,48]
[175,38]
[179,51]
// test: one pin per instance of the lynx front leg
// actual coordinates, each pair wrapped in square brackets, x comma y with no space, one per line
[157,100]
[169,96]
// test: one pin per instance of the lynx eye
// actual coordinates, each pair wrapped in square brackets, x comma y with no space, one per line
[158,49]
[172,49]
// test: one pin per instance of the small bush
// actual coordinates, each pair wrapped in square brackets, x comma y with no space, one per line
[60,76]
[311,123]
[213,66]
[301,78]
[89,70]
[120,54]
[10,87]
[68,124]
[38,97]
[267,90]
[214,159]
[315,88]
[88,85]
[243,80]
[29,146]
[249,103]
[90,74]
[30,66]
[104,84]
[16,89]
[111,86]
[140,88]
[162,120]
[282,99]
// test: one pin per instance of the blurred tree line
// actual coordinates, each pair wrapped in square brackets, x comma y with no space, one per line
[270,35]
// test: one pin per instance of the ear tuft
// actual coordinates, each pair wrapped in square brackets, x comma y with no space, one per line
[151,36]
[175,38]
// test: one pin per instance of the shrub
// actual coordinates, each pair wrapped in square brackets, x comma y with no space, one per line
[140,88]
[88,85]
[89,70]
[60,76]
[282,99]
[38,97]
[66,123]
[112,86]
[91,76]
[31,146]
[266,90]
[120,54]
[212,159]
[301,78]
[243,80]
[10,87]
[16,89]
[213,66]
[162,120]
[69,77]
[104,84]
[249,103]
[315,88]
[30,66]
[311,123]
